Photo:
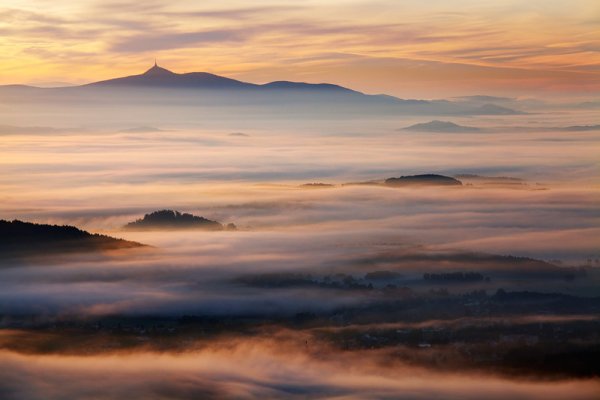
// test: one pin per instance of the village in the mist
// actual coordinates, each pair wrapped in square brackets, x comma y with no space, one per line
[171,234]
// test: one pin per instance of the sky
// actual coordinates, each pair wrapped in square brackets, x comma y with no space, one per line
[407,48]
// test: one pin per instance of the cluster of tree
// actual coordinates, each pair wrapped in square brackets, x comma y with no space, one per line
[277,279]
[294,279]
[425,179]
[456,277]
[382,275]
[317,185]
[344,281]
[18,236]
[170,219]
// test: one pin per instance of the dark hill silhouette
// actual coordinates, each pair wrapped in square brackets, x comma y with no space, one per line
[441,126]
[215,85]
[158,86]
[169,219]
[287,85]
[423,180]
[26,238]
[316,185]
[161,77]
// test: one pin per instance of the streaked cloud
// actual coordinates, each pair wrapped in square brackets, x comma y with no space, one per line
[177,40]
[548,43]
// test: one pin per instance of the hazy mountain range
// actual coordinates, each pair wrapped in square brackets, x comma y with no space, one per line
[159,86]
[437,126]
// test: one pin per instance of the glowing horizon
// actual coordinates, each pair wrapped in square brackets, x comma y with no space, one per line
[404,48]
[190,237]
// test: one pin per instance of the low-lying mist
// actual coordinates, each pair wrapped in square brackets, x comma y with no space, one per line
[333,285]
[258,368]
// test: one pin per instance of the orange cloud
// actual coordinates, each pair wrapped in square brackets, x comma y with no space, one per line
[408,49]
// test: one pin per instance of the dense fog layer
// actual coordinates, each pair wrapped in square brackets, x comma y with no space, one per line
[526,219]
[255,370]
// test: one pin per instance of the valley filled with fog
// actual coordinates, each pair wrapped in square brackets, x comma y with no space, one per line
[330,282]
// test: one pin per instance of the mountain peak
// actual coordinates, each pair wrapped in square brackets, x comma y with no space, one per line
[158,71]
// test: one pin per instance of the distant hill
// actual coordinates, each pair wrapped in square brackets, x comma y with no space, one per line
[423,180]
[170,219]
[158,87]
[441,126]
[287,85]
[26,238]
[160,77]
[225,89]
[450,127]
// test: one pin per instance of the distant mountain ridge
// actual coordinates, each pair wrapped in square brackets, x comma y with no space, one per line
[159,86]
[450,127]
[162,77]
[158,77]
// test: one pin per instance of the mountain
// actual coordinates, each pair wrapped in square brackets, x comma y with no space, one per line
[217,95]
[25,238]
[158,77]
[441,126]
[169,219]
[287,85]
[230,91]
[286,91]
[450,127]
[423,180]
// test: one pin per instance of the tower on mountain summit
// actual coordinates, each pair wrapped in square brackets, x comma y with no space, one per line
[157,70]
